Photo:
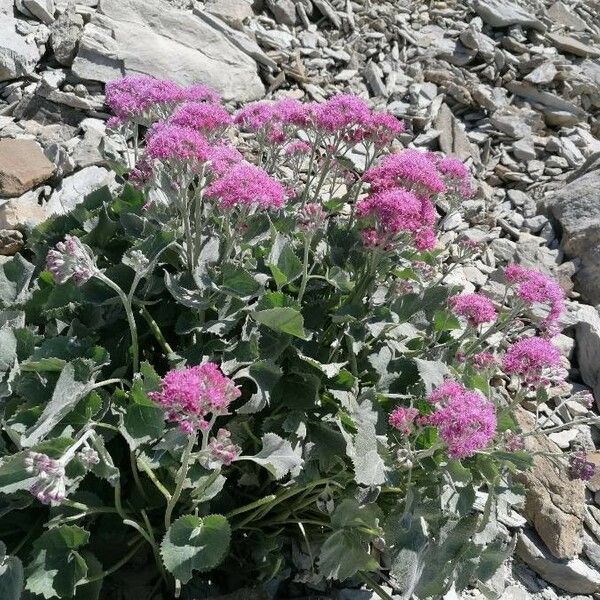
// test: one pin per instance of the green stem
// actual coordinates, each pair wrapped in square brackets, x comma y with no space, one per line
[117,565]
[155,329]
[307,241]
[251,506]
[374,585]
[130,318]
[181,475]
[159,486]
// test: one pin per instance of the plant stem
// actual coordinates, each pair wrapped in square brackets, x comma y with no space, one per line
[307,241]
[117,565]
[181,475]
[155,329]
[161,488]
[130,318]
[374,585]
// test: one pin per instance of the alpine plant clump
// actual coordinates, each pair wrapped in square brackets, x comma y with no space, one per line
[249,367]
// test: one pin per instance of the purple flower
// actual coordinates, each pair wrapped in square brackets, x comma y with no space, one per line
[221,449]
[580,467]
[50,484]
[189,395]
[311,217]
[71,258]
[402,419]
[477,309]
[535,287]
[168,142]
[534,360]
[247,185]
[202,116]
[466,421]
[340,112]
[412,169]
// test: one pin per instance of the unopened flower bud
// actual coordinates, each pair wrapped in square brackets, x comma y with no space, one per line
[71,258]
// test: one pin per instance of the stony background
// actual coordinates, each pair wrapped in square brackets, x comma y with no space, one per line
[511,87]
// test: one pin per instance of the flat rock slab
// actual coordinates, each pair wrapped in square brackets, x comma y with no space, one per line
[128,37]
[554,504]
[501,13]
[22,166]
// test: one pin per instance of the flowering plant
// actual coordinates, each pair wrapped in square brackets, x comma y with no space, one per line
[251,357]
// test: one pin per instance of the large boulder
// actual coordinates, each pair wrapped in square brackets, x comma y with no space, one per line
[152,37]
[19,54]
[554,504]
[576,208]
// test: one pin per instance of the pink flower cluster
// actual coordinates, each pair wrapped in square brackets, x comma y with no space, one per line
[221,449]
[168,142]
[535,287]
[343,114]
[477,309]
[70,258]
[189,395]
[135,95]
[534,360]
[423,173]
[50,485]
[402,419]
[247,185]
[398,211]
[580,467]
[466,421]
[205,117]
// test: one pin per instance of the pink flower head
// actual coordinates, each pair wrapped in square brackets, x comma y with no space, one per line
[206,118]
[396,211]
[340,112]
[246,184]
[71,258]
[311,217]
[134,95]
[466,421]
[199,93]
[402,419]
[411,169]
[382,128]
[189,395]
[456,175]
[535,287]
[580,467]
[221,449]
[224,157]
[534,360]
[168,142]
[297,147]
[483,360]
[50,484]
[477,309]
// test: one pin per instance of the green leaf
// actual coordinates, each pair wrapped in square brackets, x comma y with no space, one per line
[15,275]
[298,391]
[57,568]
[265,374]
[444,320]
[432,372]
[284,264]
[195,544]
[287,320]
[8,349]
[277,456]
[349,513]
[344,553]
[11,576]
[239,282]
[67,393]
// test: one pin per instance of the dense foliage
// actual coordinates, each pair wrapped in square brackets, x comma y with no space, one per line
[247,366]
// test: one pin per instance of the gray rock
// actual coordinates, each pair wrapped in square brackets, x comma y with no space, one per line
[23,213]
[233,12]
[587,337]
[502,13]
[573,575]
[18,54]
[41,9]
[11,242]
[74,188]
[284,11]
[509,122]
[562,15]
[64,35]
[524,149]
[151,37]
[576,207]
[573,45]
